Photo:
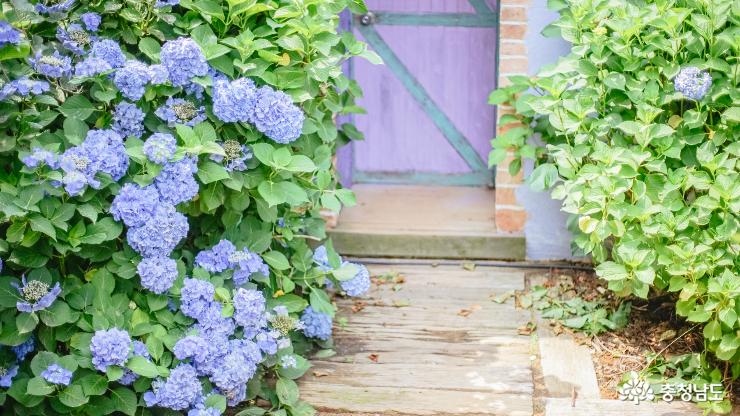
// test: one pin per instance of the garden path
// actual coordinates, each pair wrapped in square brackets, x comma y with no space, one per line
[427,341]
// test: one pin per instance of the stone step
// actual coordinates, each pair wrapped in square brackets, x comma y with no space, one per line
[424,222]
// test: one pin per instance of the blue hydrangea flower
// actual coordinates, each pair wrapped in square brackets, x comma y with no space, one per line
[196,297]
[160,234]
[91,67]
[288,361]
[191,346]
[135,205]
[176,182]
[7,375]
[56,374]
[233,101]
[181,389]
[74,38]
[54,7]
[8,34]
[131,79]
[236,155]
[211,324]
[359,284]
[52,66]
[203,352]
[246,264]
[39,156]
[160,147]
[36,295]
[275,115]
[110,347]
[91,20]
[216,259]
[23,87]
[316,324]
[157,273]
[22,350]
[321,259]
[109,51]
[204,411]
[235,371]
[183,60]
[249,308]
[693,83]
[181,111]
[165,3]
[267,341]
[128,120]
[101,151]
[158,74]
[129,376]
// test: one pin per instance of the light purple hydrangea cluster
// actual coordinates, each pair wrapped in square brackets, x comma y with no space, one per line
[52,66]
[75,38]
[41,156]
[235,156]
[56,374]
[160,233]
[158,274]
[183,60]
[22,350]
[316,324]
[359,284]
[110,347]
[53,7]
[24,87]
[181,111]
[693,83]
[91,20]
[176,181]
[224,256]
[102,151]
[178,392]
[35,295]
[132,78]
[8,34]
[160,147]
[7,375]
[128,120]
[228,363]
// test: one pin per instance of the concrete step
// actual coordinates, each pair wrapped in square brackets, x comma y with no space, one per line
[424,222]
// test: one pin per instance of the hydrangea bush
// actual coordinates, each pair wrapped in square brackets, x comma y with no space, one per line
[638,131]
[163,165]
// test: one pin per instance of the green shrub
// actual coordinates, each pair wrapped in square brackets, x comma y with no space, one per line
[649,173]
[164,190]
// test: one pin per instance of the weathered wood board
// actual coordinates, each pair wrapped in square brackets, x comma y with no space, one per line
[426,355]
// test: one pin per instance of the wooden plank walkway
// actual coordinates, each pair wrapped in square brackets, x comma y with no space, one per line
[433,345]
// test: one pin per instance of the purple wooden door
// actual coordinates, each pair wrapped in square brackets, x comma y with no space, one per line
[427,119]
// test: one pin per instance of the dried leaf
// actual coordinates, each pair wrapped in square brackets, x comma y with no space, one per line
[321,373]
[527,328]
[468,311]
[469,266]
[502,298]
[373,357]
[401,303]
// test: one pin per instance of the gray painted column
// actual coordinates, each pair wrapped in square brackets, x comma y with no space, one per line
[545,230]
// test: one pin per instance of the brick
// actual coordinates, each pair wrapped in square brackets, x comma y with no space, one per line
[506,196]
[512,30]
[514,2]
[507,127]
[503,176]
[513,14]
[509,220]
[511,48]
[510,65]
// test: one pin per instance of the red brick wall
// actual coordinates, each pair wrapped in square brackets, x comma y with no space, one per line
[510,215]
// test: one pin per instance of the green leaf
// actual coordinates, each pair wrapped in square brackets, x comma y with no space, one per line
[124,400]
[300,163]
[77,106]
[75,130]
[287,391]
[151,48]
[26,322]
[543,177]
[57,314]
[345,272]
[73,396]
[276,260]
[216,401]
[43,225]
[94,385]
[142,366]
[610,270]
[37,386]
[209,172]
[42,360]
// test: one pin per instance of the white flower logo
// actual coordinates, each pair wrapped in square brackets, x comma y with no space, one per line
[636,390]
